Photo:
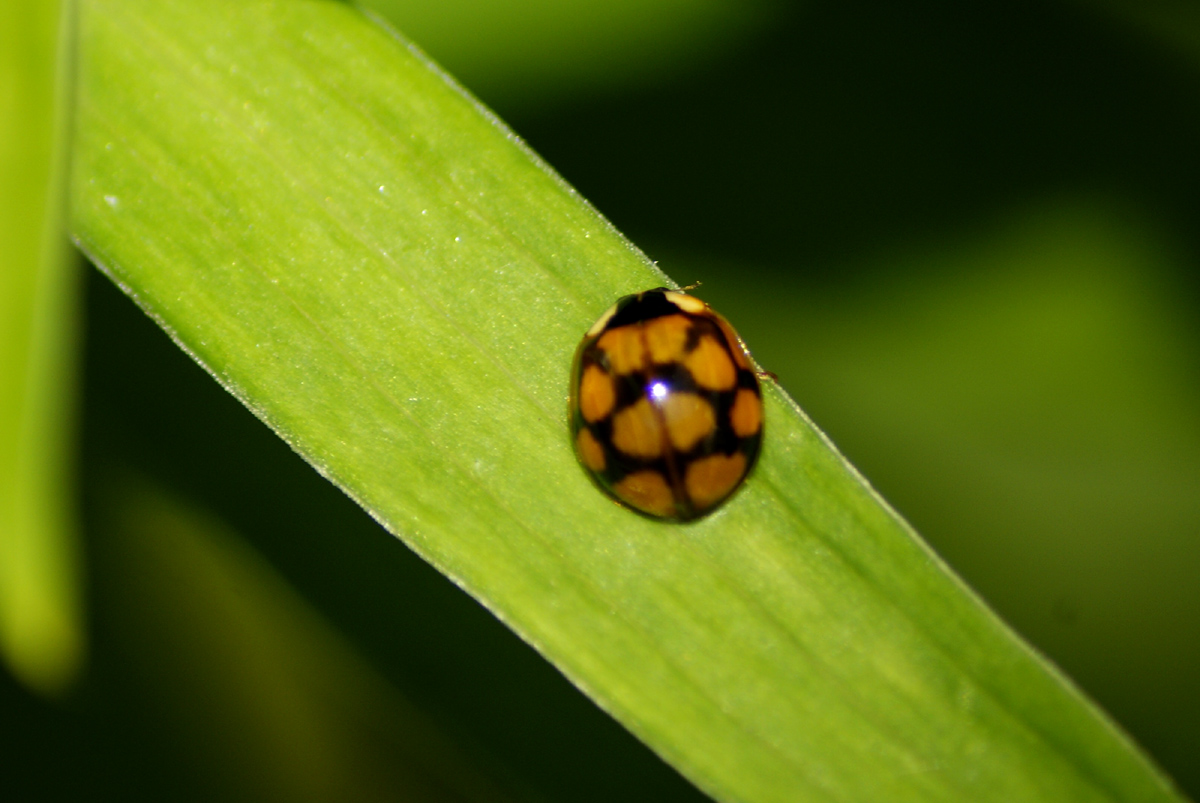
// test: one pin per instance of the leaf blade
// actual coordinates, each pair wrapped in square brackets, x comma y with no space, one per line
[390,280]
[41,632]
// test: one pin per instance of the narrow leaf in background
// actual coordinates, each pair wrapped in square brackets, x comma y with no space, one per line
[389,279]
[41,635]
[1175,24]
[521,52]
[249,679]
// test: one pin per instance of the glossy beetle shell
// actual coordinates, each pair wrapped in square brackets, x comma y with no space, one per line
[666,408]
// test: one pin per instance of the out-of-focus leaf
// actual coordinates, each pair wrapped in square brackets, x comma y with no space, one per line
[520,52]
[270,702]
[393,283]
[1175,23]
[41,636]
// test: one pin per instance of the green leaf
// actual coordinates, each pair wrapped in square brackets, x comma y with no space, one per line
[390,280]
[1174,24]
[289,709]
[523,51]
[41,635]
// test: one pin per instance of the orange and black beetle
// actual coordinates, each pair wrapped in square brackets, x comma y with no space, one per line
[666,408]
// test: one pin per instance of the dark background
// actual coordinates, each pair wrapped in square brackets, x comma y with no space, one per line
[964,236]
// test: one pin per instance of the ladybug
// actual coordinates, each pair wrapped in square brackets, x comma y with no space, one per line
[666,409]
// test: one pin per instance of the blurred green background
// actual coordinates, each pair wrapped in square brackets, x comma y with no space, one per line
[963,235]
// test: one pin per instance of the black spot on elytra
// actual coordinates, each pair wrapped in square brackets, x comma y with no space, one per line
[641,307]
